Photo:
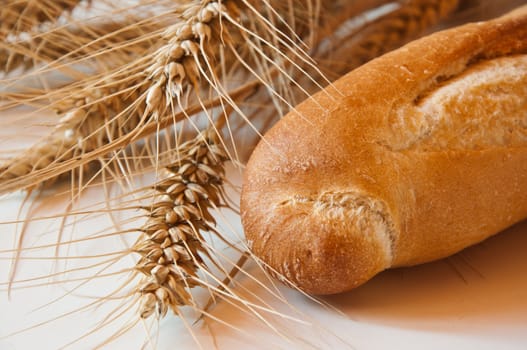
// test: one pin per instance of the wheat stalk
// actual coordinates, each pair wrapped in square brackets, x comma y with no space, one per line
[59,145]
[171,246]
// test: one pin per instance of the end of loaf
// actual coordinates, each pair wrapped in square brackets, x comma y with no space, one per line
[323,243]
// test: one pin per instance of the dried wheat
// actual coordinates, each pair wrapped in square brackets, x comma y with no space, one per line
[109,44]
[409,20]
[80,130]
[19,16]
[182,76]
[170,250]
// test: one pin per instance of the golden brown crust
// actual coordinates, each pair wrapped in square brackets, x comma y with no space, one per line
[409,158]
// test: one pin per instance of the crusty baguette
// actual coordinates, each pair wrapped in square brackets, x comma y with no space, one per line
[409,158]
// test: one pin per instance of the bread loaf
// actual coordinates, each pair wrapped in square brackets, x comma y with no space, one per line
[407,159]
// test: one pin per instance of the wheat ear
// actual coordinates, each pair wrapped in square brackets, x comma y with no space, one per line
[170,251]
[19,16]
[207,145]
[79,131]
[409,20]
[109,44]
